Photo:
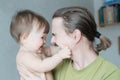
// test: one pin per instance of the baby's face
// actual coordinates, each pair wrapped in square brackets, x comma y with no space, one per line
[35,40]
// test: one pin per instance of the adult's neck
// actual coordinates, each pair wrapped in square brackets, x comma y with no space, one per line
[83,55]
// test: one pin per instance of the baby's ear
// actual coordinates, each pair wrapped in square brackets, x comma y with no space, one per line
[23,37]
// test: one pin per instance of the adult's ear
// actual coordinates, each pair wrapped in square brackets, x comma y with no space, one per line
[77,35]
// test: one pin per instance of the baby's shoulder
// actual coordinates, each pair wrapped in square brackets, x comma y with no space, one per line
[22,55]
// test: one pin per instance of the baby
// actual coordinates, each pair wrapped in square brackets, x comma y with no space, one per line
[29,30]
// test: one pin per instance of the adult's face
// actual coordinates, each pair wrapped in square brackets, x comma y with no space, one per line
[59,36]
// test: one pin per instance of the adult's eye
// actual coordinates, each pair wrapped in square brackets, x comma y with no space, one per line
[53,34]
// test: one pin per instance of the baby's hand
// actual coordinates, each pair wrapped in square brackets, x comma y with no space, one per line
[65,53]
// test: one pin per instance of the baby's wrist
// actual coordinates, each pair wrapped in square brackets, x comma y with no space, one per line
[58,56]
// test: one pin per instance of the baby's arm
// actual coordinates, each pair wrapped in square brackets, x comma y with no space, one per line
[50,50]
[49,75]
[38,65]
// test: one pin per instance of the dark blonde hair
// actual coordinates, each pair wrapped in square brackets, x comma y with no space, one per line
[23,22]
[80,18]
